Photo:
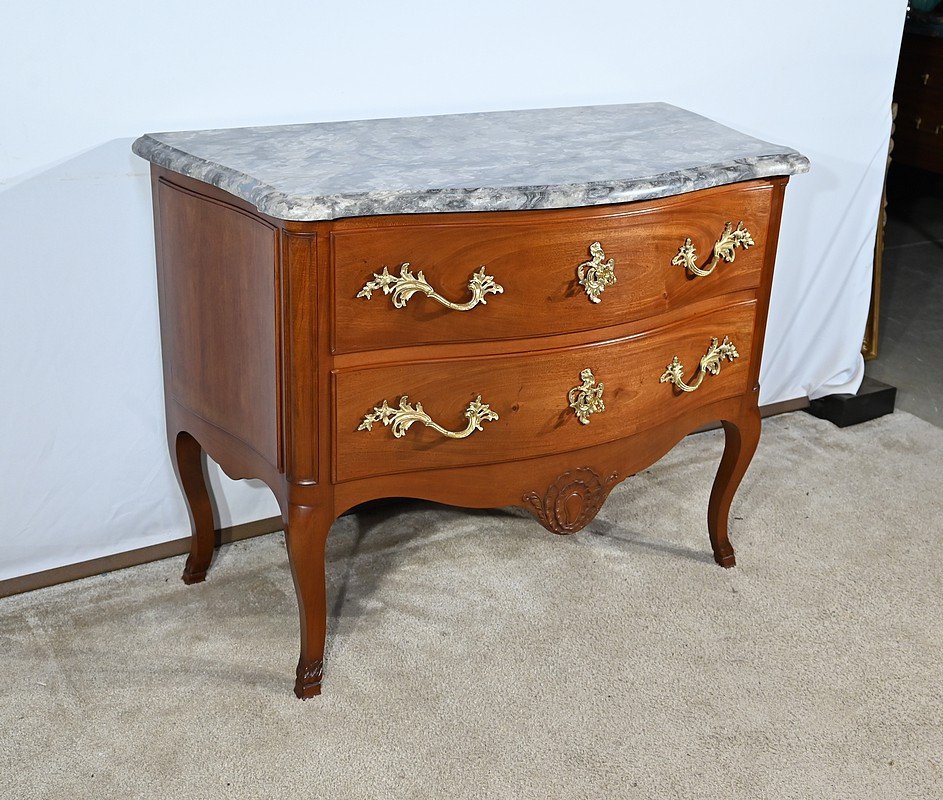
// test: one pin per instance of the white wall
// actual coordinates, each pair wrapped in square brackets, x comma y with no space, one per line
[84,469]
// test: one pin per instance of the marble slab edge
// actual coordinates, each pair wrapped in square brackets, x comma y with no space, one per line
[278,205]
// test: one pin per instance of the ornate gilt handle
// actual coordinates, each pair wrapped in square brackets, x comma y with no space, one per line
[724,249]
[597,273]
[586,398]
[406,284]
[710,364]
[404,416]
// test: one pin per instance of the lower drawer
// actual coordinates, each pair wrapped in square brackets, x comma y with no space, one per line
[535,397]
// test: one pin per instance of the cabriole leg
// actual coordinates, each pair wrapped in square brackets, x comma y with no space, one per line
[306,535]
[742,437]
[188,464]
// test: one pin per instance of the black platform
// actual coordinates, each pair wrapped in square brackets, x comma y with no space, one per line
[874,399]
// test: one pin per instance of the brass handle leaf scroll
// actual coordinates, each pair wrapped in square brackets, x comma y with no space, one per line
[402,417]
[724,250]
[407,284]
[710,365]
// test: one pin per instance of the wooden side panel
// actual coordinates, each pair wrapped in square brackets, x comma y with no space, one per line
[217,270]
[304,355]
[534,257]
[529,393]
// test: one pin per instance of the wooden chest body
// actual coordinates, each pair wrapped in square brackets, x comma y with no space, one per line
[279,356]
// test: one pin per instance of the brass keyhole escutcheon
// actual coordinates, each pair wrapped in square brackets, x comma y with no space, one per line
[586,399]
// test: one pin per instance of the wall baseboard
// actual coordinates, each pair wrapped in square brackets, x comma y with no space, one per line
[235,533]
[784,407]
[770,410]
[132,558]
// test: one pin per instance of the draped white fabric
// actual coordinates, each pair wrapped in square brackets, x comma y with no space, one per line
[84,471]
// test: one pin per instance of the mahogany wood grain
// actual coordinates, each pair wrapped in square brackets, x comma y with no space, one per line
[529,391]
[742,429]
[253,308]
[302,318]
[187,457]
[534,256]
[498,484]
[498,347]
[218,306]
[742,435]
[306,533]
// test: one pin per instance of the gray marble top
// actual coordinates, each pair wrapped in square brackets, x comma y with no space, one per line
[499,161]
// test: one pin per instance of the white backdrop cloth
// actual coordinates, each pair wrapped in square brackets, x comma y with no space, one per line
[85,470]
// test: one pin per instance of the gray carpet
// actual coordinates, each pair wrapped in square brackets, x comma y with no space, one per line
[474,655]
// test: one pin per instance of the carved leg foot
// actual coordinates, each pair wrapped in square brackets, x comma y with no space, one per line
[306,535]
[742,437]
[308,678]
[191,575]
[188,464]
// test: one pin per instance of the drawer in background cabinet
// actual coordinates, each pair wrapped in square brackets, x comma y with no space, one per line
[472,277]
[920,67]
[449,413]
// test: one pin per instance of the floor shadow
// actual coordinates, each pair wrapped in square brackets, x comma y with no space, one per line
[624,538]
[386,533]
[379,525]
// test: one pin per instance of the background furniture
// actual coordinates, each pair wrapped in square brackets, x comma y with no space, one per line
[918,92]
[918,110]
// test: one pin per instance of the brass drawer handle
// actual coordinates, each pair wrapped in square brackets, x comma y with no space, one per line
[710,363]
[596,274]
[724,249]
[404,416]
[405,285]
[586,399]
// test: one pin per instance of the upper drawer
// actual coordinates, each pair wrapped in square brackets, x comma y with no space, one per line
[515,274]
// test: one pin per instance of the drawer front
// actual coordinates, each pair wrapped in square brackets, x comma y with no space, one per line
[535,259]
[921,64]
[538,398]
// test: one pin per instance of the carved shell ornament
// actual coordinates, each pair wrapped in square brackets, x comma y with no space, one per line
[572,501]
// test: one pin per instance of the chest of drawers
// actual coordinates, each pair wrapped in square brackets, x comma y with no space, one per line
[484,310]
